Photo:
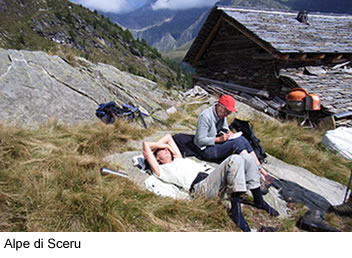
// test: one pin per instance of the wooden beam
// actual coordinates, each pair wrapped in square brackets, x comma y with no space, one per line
[284,57]
[233,86]
[301,57]
[318,56]
[208,40]
[263,57]
[293,57]
[337,58]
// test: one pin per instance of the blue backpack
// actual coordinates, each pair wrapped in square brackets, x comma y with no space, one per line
[108,111]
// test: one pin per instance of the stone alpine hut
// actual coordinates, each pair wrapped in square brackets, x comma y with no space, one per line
[274,51]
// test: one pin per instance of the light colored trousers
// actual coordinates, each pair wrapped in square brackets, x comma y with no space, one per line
[237,173]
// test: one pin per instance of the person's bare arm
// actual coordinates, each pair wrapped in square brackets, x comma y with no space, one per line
[149,148]
[167,139]
[149,156]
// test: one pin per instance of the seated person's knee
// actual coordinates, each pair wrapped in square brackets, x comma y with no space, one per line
[236,158]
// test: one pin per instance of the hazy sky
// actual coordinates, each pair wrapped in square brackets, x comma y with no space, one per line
[118,6]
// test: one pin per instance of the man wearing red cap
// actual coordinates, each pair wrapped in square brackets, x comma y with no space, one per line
[213,133]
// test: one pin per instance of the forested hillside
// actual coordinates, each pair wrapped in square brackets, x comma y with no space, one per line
[63,28]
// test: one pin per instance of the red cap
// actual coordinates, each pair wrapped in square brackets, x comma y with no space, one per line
[229,102]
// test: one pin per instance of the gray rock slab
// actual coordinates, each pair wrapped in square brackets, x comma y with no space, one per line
[125,163]
[275,200]
[312,187]
[36,87]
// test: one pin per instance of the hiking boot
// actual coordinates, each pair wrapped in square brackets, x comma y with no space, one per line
[344,209]
[236,213]
[313,221]
[261,204]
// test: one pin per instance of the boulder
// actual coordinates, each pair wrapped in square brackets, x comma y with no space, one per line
[36,87]
[297,184]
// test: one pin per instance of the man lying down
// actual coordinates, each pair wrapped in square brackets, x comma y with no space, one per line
[236,175]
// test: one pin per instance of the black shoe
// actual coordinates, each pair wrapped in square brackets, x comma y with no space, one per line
[313,221]
[236,214]
[344,209]
[265,206]
[261,204]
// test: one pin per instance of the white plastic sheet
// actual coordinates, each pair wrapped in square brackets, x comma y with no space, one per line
[339,140]
[163,189]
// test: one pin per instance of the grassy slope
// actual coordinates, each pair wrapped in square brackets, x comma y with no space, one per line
[50,181]
[301,147]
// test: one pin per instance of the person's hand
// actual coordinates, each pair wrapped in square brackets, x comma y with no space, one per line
[268,179]
[225,136]
[173,153]
[164,146]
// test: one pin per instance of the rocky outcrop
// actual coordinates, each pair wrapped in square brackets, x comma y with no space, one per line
[36,87]
[297,184]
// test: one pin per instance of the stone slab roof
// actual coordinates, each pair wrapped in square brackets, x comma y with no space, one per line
[280,32]
[323,34]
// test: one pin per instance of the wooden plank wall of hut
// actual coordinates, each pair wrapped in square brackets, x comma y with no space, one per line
[229,58]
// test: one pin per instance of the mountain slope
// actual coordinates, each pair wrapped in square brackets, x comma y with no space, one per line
[184,25]
[156,26]
[59,26]
[152,25]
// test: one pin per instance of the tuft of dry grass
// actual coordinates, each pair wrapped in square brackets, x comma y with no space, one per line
[184,118]
[301,147]
[50,181]
[49,176]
